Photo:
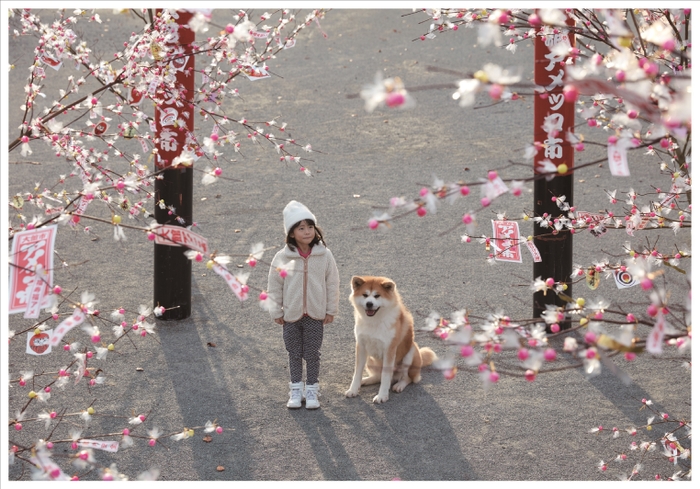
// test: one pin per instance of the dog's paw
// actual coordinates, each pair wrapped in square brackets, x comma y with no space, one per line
[378,399]
[352,393]
[399,386]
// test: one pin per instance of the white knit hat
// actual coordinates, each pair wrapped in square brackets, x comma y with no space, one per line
[295,212]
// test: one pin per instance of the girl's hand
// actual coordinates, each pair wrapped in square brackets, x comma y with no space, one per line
[280,321]
[328,319]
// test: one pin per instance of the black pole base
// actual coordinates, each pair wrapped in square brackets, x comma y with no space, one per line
[172,270]
[556,249]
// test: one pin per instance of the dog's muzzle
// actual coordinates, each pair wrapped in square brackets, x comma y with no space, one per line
[370,310]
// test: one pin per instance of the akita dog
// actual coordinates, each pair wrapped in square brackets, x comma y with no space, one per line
[384,343]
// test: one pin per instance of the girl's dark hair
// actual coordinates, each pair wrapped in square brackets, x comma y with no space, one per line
[292,243]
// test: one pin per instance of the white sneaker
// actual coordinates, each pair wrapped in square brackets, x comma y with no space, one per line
[312,397]
[295,389]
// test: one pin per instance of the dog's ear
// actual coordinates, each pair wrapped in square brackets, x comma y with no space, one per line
[356,282]
[388,285]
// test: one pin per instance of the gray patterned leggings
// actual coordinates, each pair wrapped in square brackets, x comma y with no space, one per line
[303,340]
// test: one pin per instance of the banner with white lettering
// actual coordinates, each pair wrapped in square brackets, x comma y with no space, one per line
[32,250]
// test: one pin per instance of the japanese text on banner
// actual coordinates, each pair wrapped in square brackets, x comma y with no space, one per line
[30,250]
[506,241]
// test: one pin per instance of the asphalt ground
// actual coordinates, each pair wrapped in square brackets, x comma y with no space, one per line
[227,361]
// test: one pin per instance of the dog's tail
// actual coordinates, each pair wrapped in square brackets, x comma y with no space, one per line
[427,356]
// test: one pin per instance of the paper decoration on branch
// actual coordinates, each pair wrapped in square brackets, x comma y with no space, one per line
[617,159]
[232,282]
[625,279]
[66,325]
[655,340]
[254,73]
[169,235]
[51,61]
[32,250]
[106,445]
[592,278]
[100,128]
[536,257]
[136,97]
[39,344]
[506,242]
[493,188]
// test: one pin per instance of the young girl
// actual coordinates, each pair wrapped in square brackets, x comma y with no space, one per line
[304,286]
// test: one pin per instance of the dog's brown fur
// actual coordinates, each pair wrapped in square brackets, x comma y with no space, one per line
[384,339]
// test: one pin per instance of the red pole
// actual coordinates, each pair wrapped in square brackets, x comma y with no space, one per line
[174,117]
[555,248]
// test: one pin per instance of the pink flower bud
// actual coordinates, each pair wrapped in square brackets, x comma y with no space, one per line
[550,354]
[590,337]
[263,296]
[394,99]
[495,91]
[421,211]
[464,190]
[570,93]
[373,224]
[523,354]
[530,375]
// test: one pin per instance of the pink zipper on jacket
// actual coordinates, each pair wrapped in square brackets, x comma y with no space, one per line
[306,275]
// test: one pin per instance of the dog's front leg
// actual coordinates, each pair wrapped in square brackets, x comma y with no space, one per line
[387,375]
[360,360]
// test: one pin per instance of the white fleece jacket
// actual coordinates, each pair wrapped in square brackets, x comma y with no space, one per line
[311,287]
